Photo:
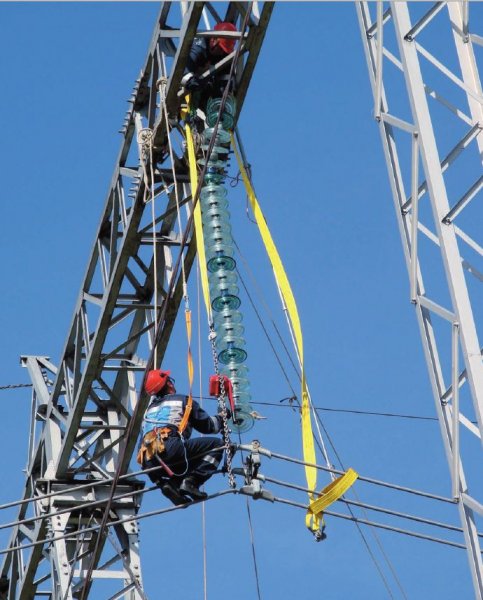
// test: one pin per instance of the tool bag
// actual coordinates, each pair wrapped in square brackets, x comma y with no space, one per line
[152,444]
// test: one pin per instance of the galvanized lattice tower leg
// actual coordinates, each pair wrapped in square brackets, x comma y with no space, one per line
[87,411]
[428,103]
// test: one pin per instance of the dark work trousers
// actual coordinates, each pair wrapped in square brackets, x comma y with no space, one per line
[195,458]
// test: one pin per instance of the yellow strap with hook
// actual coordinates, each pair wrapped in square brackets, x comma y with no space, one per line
[335,490]
[286,291]
[312,519]
[200,245]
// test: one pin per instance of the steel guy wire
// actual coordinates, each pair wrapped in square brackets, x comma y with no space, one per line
[366,479]
[126,565]
[252,540]
[374,524]
[265,331]
[200,380]
[321,444]
[75,534]
[373,532]
[380,509]
[86,504]
[141,516]
[96,483]
[250,526]
[317,408]
[265,305]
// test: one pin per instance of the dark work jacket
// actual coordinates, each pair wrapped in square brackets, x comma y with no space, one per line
[199,58]
[168,411]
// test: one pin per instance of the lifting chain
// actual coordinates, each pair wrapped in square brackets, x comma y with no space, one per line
[222,410]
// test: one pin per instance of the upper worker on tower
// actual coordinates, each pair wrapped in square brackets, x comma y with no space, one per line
[205,53]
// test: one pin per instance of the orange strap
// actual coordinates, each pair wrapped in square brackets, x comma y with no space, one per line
[189,405]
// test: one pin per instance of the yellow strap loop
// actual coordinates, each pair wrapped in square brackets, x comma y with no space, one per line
[335,490]
[200,244]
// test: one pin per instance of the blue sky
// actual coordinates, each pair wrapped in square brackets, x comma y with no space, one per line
[319,171]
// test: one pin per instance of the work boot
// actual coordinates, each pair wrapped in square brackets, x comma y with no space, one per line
[172,493]
[190,487]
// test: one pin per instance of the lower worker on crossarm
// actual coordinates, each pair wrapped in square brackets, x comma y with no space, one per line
[185,463]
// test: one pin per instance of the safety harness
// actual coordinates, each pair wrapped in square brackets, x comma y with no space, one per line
[153,441]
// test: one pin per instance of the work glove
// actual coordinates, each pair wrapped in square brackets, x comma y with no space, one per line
[228,413]
[193,84]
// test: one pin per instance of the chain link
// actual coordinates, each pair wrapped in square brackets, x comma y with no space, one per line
[222,410]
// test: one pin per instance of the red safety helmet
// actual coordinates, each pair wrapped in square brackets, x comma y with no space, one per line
[156,380]
[226,44]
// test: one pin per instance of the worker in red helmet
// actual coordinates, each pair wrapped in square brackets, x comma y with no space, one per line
[187,462]
[205,53]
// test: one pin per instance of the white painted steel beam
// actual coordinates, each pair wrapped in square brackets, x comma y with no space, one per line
[416,60]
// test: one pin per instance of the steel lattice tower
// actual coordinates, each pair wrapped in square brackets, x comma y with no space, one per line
[84,407]
[429,105]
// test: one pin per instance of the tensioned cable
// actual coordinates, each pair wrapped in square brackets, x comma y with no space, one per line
[73,535]
[85,504]
[82,486]
[287,484]
[321,444]
[200,378]
[351,411]
[252,537]
[170,290]
[279,404]
[265,331]
[374,524]
[366,479]
[373,531]
[13,386]
[141,516]
[252,540]
[75,508]
[258,289]
[374,508]
[273,454]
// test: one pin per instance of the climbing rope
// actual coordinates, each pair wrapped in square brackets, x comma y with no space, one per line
[319,532]
[145,139]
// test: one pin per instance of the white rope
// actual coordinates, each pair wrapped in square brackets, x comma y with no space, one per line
[145,138]
[162,82]
[321,439]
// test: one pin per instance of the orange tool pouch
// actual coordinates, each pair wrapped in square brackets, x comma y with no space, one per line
[152,444]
